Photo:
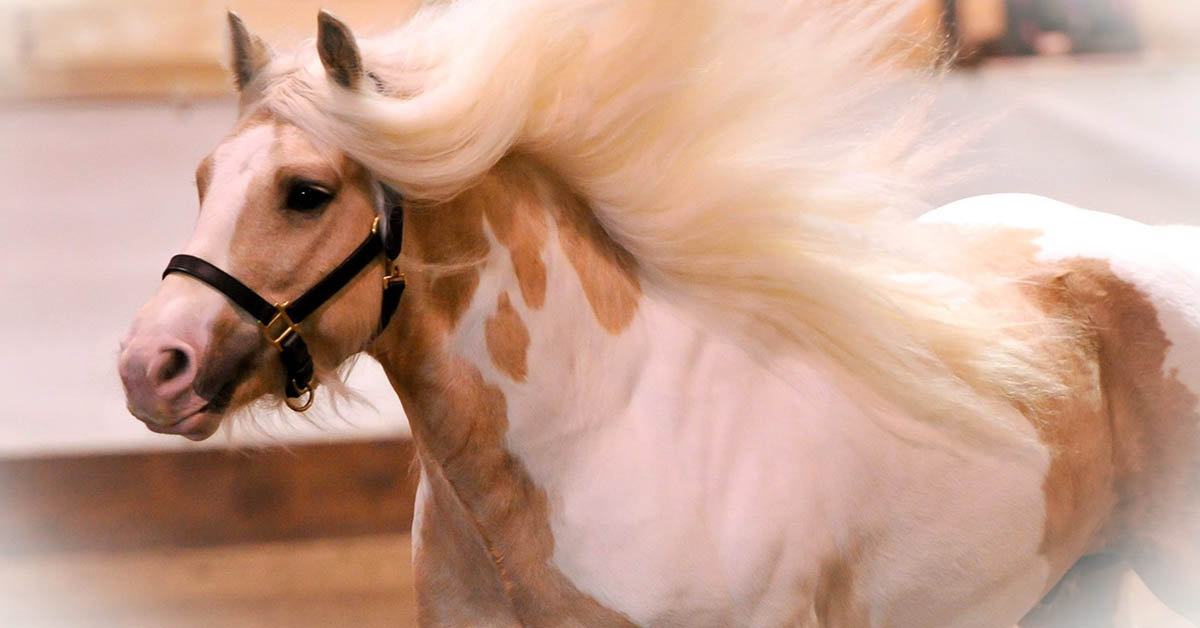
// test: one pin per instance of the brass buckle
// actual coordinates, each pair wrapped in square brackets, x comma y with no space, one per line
[271,330]
[392,275]
[301,407]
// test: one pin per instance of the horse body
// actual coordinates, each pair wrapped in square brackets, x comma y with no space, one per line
[605,436]
[671,477]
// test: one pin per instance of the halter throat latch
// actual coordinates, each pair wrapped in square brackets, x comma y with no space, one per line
[280,326]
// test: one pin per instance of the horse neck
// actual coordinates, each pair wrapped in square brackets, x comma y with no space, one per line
[510,283]
[514,295]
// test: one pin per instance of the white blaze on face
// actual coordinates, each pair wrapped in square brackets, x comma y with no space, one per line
[237,165]
[182,307]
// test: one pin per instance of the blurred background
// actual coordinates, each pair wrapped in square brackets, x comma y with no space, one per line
[106,107]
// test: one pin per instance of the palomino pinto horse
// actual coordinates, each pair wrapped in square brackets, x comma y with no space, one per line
[597,447]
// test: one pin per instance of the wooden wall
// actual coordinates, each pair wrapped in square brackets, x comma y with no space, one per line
[168,49]
[165,48]
[145,48]
[309,537]
[138,501]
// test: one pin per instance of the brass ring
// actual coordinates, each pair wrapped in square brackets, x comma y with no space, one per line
[307,403]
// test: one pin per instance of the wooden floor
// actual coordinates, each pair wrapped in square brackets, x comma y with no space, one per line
[312,536]
[357,581]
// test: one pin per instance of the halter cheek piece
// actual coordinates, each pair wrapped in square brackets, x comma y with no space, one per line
[279,321]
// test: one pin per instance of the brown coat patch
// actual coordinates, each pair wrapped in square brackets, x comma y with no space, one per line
[607,273]
[1126,475]
[836,600]
[449,241]
[516,197]
[519,223]
[1078,486]
[1079,483]
[1154,415]
[507,339]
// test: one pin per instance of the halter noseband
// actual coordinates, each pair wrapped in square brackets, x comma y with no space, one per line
[279,321]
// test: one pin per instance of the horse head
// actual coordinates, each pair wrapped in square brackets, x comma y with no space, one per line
[279,211]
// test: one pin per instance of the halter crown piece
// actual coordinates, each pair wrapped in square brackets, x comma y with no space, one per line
[279,321]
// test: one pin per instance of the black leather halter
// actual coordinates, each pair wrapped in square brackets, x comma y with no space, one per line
[279,321]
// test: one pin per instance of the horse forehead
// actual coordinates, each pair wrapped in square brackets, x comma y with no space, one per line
[263,141]
[250,156]
[234,167]
[292,143]
[241,156]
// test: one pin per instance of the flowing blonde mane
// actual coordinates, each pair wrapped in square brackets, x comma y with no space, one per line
[729,146]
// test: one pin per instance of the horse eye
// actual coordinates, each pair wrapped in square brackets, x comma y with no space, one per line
[306,197]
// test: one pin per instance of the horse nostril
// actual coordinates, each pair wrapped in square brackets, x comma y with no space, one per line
[170,365]
[175,365]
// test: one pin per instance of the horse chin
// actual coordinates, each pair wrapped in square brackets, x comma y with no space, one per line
[196,426]
[202,422]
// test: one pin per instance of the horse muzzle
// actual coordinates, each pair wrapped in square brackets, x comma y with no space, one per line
[158,373]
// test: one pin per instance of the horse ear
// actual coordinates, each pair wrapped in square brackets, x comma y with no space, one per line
[338,50]
[250,53]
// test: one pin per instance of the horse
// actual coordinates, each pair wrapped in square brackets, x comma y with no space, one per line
[672,351]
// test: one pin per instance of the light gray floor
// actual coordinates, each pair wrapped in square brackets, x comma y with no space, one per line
[94,198]
[1117,137]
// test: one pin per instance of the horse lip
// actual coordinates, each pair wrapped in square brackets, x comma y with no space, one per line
[210,387]
[202,409]
[217,404]
[196,431]
[148,419]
